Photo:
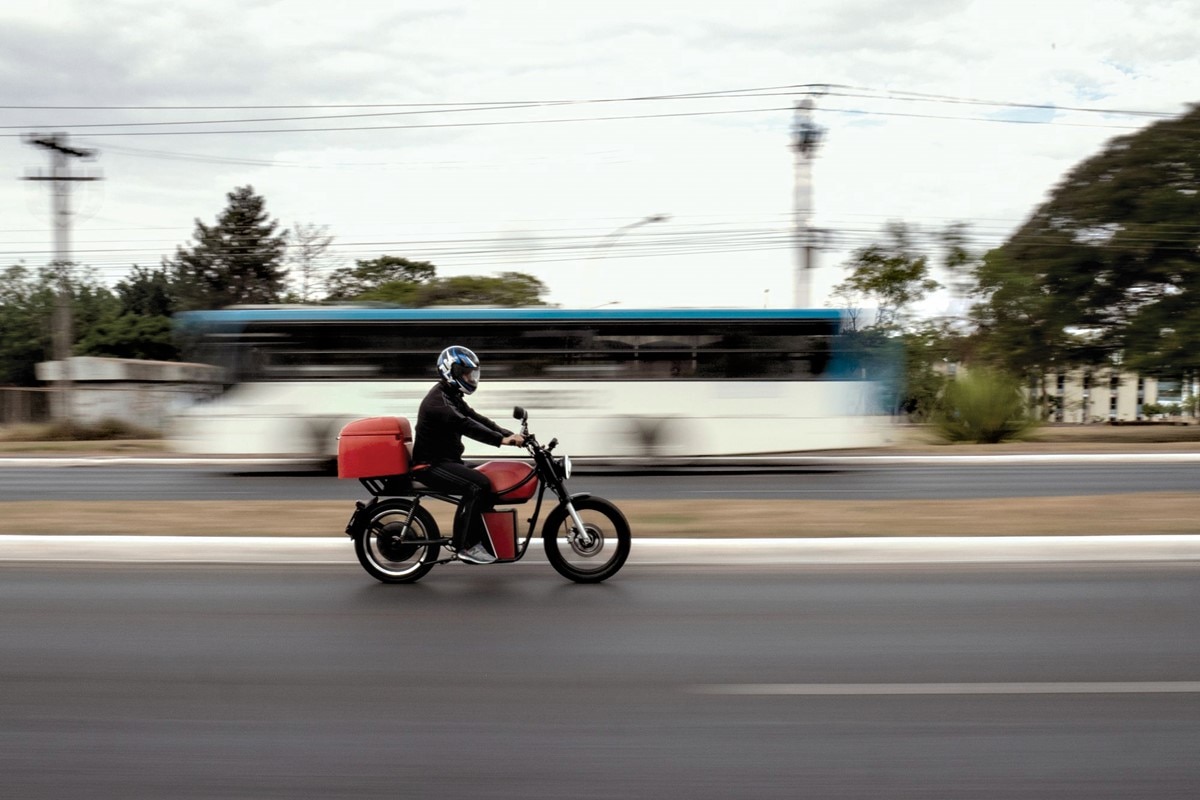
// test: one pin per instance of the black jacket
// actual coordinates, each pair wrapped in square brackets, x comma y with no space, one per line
[442,421]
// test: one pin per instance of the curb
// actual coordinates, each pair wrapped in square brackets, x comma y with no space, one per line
[646,552]
[668,463]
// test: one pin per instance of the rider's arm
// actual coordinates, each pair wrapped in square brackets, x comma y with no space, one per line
[467,422]
[482,420]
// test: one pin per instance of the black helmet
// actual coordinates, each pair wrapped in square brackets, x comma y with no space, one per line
[459,367]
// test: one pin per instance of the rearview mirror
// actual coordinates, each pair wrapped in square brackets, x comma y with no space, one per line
[519,413]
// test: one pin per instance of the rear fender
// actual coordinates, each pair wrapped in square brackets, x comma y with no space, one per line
[358,520]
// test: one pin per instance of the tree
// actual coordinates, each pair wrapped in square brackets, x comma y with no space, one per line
[26,306]
[141,325]
[240,259]
[1019,328]
[387,279]
[130,336]
[892,277]
[27,302]
[1109,266]
[905,356]
[308,253]
[509,289]
[146,292]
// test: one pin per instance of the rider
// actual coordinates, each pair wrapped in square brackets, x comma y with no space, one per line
[443,419]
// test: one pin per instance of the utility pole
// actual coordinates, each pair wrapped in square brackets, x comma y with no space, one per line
[806,136]
[56,144]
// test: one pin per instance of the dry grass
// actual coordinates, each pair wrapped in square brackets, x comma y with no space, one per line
[1156,512]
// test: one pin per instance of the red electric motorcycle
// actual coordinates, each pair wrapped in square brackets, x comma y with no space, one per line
[397,540]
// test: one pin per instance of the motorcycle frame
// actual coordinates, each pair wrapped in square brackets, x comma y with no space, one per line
[544,470]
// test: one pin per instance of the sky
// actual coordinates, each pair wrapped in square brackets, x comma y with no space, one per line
[628,154]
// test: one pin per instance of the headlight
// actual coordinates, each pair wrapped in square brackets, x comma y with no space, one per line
[564,467]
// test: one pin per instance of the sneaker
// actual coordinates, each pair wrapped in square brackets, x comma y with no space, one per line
[476,554]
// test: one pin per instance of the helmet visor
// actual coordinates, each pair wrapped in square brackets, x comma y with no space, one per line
[470,377]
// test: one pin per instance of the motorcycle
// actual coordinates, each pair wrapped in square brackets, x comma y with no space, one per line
[396,539]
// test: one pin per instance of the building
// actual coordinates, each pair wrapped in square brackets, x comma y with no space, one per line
[1089,395]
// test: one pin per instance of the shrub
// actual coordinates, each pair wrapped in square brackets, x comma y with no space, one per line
[983,406]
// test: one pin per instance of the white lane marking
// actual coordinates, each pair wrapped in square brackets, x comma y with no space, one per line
[720,461]
[859,689]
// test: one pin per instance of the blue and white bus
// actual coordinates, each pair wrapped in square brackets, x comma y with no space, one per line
[609,383]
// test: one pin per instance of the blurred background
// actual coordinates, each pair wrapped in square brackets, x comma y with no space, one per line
[878,321]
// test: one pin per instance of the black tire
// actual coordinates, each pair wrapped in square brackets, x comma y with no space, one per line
[600,554]
[382,544]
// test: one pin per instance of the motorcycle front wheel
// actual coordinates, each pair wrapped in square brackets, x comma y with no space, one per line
[594,554]
[388,549]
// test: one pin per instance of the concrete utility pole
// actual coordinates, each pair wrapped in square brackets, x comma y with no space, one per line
[56,144]
[806,136]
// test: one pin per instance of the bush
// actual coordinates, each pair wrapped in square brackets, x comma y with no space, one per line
[983,406]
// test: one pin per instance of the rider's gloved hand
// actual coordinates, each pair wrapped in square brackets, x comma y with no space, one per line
[515,439]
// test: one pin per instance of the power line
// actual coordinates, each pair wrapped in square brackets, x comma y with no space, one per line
[830,90]
[791,87]
[478,124]
[825,89]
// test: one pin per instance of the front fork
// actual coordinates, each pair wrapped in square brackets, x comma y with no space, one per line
[580,528]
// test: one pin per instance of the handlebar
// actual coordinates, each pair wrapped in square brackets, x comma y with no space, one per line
[531,441]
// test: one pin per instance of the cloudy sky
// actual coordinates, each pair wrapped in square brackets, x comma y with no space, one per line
[541,136]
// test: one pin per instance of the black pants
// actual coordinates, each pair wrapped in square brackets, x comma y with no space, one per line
[476,490]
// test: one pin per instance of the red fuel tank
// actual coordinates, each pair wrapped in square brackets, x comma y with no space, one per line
[505,475]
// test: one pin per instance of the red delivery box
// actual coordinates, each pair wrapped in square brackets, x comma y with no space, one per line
[374,447]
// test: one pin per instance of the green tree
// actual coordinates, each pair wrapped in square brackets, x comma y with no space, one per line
[390,279]
[146,292]
[25,311]
[509,289]
[892,277]
[240,259]
[1109,265]
[905,354]
[27,303]
[387,279]
[130,336]
[140,325]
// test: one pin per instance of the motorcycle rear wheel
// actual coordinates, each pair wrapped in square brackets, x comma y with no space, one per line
[387,549]
[595,554]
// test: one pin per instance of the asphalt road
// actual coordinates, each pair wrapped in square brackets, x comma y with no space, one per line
[862,483]
[866,682]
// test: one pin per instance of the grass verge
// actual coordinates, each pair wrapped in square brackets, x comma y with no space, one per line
[1138,513]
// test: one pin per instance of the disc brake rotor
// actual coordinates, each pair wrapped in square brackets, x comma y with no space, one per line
[588,543]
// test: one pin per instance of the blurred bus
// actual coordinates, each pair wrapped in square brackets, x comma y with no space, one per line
[609,383]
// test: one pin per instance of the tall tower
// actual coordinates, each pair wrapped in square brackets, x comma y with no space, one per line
[806,137]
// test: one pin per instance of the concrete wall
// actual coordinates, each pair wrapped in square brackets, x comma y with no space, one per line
[142,393]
